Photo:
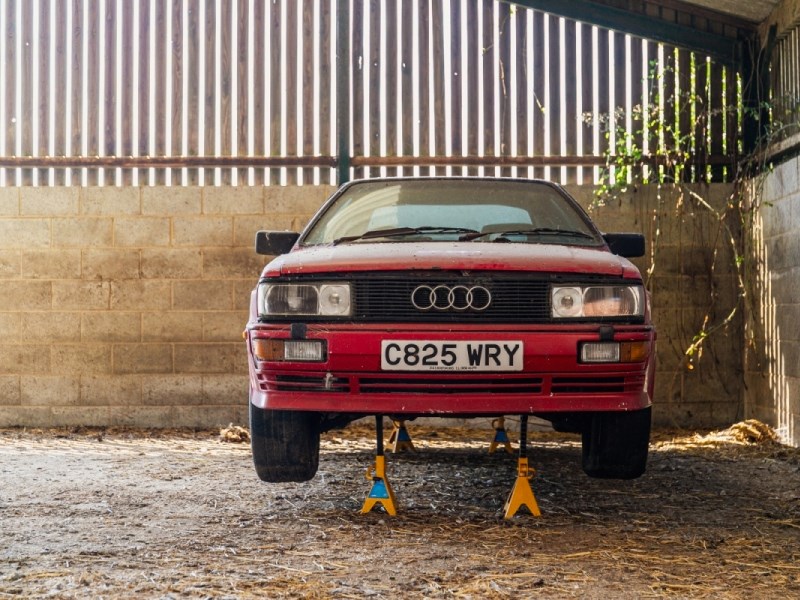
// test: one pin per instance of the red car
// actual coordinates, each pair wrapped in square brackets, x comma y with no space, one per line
[450,297]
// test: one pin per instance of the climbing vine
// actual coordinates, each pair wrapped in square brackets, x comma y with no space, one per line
[664,143]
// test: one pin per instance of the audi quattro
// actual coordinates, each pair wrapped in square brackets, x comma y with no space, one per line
[450,297]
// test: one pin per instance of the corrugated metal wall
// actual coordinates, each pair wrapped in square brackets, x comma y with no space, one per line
[211,87]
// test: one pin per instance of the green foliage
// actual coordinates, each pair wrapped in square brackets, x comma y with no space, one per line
[657,144]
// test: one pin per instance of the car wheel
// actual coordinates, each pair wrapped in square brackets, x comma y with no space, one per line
[615,444]
[285,444]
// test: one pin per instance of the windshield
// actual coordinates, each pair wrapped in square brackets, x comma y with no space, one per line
[477,210]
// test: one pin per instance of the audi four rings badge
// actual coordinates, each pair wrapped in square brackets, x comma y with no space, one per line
[457,297]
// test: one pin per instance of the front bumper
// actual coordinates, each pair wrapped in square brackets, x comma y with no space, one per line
[552,380]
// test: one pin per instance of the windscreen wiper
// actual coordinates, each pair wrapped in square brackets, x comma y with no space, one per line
[533,231]
[402,231]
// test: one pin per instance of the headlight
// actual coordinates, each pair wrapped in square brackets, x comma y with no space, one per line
[309,299]
[597,301]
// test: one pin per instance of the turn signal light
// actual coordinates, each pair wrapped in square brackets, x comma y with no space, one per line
[614,352]
[289,350]
[268,349]
[630,352]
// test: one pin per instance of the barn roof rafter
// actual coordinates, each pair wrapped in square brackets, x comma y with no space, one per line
[680,24]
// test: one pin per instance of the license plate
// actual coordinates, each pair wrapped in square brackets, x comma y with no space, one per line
[404,355]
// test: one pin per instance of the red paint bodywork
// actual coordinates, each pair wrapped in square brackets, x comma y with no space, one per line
[451,256]
[550,351]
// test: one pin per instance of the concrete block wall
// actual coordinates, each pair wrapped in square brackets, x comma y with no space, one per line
[686,290]
[125,306]
[772,359]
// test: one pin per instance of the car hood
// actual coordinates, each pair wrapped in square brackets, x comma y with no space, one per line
[470,256]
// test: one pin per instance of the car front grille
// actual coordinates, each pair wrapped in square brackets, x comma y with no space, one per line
[513,300]
[499,297]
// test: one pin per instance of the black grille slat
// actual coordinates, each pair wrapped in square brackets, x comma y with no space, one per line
[413,385]
[585,385]
[294,383]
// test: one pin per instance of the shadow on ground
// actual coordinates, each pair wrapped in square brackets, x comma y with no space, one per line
[92,513]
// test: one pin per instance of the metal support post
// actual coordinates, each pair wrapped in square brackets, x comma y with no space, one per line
[381,492]
[400,440]
[500,436]
[522,494]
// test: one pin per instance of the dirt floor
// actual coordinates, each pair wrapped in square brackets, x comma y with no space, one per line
[122,514]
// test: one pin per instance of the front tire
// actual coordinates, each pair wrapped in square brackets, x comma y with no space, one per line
[285,444]
[615,444]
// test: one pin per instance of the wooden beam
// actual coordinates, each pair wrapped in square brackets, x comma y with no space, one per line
[721,48]
[785,17]
[343,122]
[516,161]
[716,16]
[163,162]
[238,162]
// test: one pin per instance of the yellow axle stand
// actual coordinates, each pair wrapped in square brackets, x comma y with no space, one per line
[522,494]
[399,440]
[381,492]
[500,437]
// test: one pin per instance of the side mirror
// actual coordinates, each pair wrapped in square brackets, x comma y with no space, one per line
[272,243]
[629,245]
